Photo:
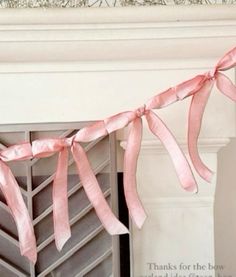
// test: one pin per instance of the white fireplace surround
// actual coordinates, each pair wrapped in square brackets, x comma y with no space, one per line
[85,64]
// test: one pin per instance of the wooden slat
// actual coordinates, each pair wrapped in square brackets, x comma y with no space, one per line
[14,269]
[28,169]
[71,161]
[75,188]
[5,207]
[95,263]
[114,203]
[73,250]
[73,220]
[6,236]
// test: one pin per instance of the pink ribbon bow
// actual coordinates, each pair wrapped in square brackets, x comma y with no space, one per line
[14,199]
[198,104]
[158,128]
[199,88]
[47,147]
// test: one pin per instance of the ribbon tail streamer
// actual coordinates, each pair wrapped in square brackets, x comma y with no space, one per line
[225,85]
[94,192]
[134,204]
[60,201]
[182,167]
[197,107]
[19,212]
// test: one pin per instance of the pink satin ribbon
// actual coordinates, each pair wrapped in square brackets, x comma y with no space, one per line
[197,106]
[14,199]
[45,148]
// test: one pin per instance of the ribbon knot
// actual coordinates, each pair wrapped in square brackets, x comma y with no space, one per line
[211,75]
[141,111]
[68,142]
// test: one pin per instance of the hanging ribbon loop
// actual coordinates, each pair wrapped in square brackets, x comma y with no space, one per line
[196,110]
[133,145]
[158,128]
[14,199]
[182,167]
[62,229]
[94,192]
[46,148]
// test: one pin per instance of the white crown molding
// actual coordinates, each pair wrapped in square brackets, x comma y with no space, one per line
[117,15]
[205,145]
[106,66]
[116,34]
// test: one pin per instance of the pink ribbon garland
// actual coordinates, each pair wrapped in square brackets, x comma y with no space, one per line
[14,199]
[198,88]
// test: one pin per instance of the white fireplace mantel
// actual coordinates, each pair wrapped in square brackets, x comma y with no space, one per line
[51,54]
[86,64]
[93,34]
[54,53]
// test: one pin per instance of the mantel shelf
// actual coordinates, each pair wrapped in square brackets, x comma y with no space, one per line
[112,34]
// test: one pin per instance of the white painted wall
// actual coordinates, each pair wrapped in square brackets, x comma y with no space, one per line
[64,66]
